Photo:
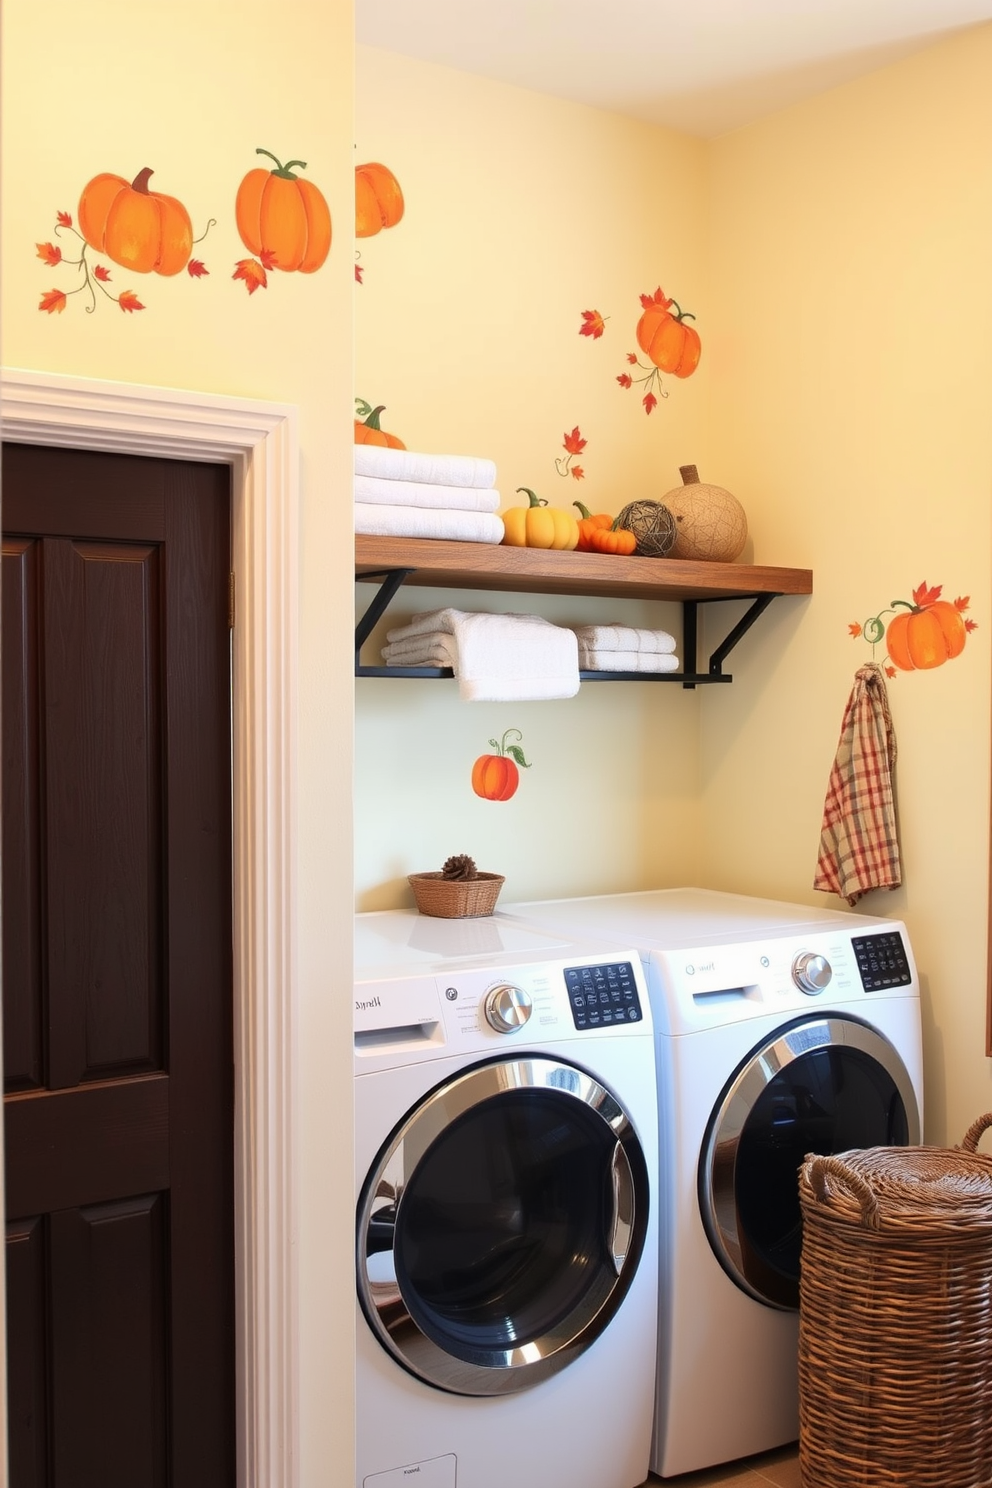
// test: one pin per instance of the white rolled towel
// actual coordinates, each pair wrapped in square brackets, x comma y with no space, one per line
[624,638]
[591,660]
[497,658]
[379,492]
[434,470]
[372,520]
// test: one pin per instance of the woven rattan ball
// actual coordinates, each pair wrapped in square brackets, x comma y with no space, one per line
[652,525]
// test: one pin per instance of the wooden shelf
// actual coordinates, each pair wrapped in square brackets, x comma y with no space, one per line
[391,562]
[457,565]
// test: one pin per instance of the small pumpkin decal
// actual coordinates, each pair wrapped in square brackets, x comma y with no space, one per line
[495,777]
[140,229]
[378,199]
[368,430]
[926,633]
[665,338]
[283,218]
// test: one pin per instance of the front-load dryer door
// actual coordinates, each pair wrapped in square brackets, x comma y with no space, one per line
[501,1225]
[819,1085]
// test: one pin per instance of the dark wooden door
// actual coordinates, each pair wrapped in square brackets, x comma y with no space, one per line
[117,991]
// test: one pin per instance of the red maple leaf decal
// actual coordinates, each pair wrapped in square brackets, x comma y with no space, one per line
[253,274]
[574,442]
[890,672]
[650,401]
[63,219]
[658,298]
[268,258]
[49,254]
[101,273]
[53,300]
[128,300]
[632,358]
[577,473]
[624,380]
[971,625]
[359,271]
[962,602]
[195,269]
[923,596]
[855,629]
[594,324]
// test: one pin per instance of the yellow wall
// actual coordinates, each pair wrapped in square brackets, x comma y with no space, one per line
[851,239]
[523,211]
[111,87]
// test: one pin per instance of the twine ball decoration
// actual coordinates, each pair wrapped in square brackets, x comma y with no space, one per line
[652,525]
[710,524]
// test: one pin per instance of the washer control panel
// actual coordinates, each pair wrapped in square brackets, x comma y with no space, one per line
[881,960]
[507,1007]
[603,996]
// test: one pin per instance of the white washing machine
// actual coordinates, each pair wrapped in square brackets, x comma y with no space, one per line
[780,1030]
[507,1162]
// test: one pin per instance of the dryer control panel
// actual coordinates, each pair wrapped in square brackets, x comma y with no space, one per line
[882,961]
[602,996]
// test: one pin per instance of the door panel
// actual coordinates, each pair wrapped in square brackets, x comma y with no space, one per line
[117,967]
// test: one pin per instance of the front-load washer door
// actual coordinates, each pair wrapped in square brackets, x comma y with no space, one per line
[501,1225]
[819,1085]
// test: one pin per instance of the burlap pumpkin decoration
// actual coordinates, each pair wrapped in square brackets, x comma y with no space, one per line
[652,525]
[710,524]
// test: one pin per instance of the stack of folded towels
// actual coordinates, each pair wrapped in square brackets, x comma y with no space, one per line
[496,658]
[622,648]
[399,493]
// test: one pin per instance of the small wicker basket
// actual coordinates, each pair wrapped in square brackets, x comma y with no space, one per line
[895,1317]
[458,898]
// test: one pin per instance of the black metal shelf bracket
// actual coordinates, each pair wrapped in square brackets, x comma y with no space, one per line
[392,579]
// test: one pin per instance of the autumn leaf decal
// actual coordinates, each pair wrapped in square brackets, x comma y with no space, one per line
[252,274]
[920,635]
[593,324]
[49,253]
[129,301]
[573,444]
[196,270]
[53,300]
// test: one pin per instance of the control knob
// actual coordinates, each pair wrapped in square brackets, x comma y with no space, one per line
[507,1008]
[811,973]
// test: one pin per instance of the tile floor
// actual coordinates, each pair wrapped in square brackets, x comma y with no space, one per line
[778,1469]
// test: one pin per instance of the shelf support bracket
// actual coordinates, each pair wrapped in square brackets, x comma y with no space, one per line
[392,579]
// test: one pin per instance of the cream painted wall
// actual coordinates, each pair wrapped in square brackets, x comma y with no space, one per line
[523,211]
[109,87]
[851,368]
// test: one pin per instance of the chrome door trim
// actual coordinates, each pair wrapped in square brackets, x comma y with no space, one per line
[496,1371]
[718,1159]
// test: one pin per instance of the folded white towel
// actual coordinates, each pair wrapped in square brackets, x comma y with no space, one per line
[424,521]
[496,658]
[624,638]
[428,650]
[372,488]
[591,660]
[434,470]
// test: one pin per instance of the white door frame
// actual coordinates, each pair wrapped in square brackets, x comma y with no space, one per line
[259,441]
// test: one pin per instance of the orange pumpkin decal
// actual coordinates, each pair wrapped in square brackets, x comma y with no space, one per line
[368,429]
[282,218]
[139,229]
[378,199]
[665,338]
[495,777]
[931,631]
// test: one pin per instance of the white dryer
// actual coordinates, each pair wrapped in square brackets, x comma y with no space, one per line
[506,1233]
[780,1030]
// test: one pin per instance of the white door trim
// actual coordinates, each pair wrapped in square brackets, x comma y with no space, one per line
[259,441]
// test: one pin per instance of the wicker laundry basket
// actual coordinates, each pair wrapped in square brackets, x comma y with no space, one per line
[895,1317]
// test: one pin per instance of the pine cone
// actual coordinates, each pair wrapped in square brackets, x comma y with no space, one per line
[458,868]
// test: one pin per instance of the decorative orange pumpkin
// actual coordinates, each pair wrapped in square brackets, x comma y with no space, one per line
[671,345]
[495,777]
[282,218]
[140,229]
[930,632]
[368,430]
[378,199]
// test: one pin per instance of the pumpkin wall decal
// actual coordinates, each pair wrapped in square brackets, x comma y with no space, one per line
[140,229]
[283,218]
[495,777]
[368,430]
[378,199]
[665,338]
[926,633]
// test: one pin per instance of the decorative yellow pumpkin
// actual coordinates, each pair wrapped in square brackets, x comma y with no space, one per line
[538,525]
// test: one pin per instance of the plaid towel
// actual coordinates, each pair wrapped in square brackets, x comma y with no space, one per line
[859,841]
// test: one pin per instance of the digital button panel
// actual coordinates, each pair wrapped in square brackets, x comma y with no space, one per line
[601,996]
[881,961]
